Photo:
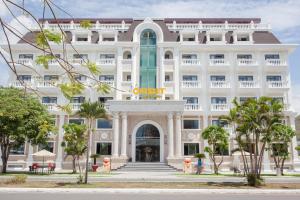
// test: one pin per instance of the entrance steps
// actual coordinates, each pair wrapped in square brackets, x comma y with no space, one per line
[146,167]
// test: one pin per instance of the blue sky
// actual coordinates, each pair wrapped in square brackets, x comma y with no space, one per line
[283,15]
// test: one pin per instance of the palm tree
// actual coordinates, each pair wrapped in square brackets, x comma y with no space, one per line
[90,111]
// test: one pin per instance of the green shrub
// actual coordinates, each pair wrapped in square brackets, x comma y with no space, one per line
[254,181]
[17,179]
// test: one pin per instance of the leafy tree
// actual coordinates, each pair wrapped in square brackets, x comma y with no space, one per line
[22,119]
[90,111]
[282,136]
[217,138]
[74,142]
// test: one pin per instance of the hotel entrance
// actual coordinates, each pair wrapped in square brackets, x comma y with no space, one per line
[147,144]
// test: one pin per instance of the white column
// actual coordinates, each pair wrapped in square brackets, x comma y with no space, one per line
[178,135]
[176,75]
[124,136]
[30,157]
[170,135]
[115,135]
[59,156]
[134,71]
[119,77]
[162,72]
[266,161]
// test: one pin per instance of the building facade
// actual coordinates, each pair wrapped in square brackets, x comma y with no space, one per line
[196,67]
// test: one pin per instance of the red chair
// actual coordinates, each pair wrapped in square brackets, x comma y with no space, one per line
[51,167]
[35,167]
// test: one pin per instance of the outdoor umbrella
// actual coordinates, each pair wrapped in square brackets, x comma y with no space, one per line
[44,153]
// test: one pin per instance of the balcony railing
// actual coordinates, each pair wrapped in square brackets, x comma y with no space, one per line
[46,83]
[219,107]
[190,62]
[218,62]
[277,84]
[168,62]
[20,84]
[248,84]
[276,62]
[78,61]
[110,83]
[219,84]
[127,61]
[190,84]
[109,61]
[75,106]
[192,106]
[51,106]
[246,62]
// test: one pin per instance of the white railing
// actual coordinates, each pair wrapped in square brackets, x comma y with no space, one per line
[218,62]
[51,106]
[78,61]
[110,83]
[248,84]
[276,62]
[75,106]
[246,62]
[168,62]
[109,61]
[190,84]
[277,84]
[127,61]
[96,26]
[46,83]
[53,62]
[219,84]
[24,61]
[190,62]
[219,107]
[19,84]
[200,26]
[192,106]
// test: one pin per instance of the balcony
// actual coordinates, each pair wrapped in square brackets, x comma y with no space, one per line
[20,84]
[219,84]
[276,62]
[247,62]
[108,61]
[47,84]
[27,62]
[190,84]
[218,62]
[75,106]
[126,65]
[192,107]
[24,65]
[109,83]
[248,84]
[78,61]
[219,107]
[168,65]
[169,85]
[190,62]
[51,106]
[277,84]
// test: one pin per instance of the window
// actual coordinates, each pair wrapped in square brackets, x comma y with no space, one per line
[76,121]
[108,39]
[17,150]
[221,150]
[218,100]
[244,99]
[189,78]
[103,148]
[191,100]
[106,77]
[24,77]
[168,55]
[50,77]
[26,56]
[279,99]
[244,56]
[77,100]
[49,100]
[80,77]
[49,146]
[189,56]
[107,56]
[189,38]
[217,122]
[127,55]
[273,78]
[216,56]
[191,149]
[243,38]
[167,78]
[104,99]
[80,56]
[104,124]
[271,56]
[245,78]
[190,124]
[128,77]
[82,39]
[217,78]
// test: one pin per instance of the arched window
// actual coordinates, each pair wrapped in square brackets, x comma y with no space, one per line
[168,55]
[148,59]
[127,55]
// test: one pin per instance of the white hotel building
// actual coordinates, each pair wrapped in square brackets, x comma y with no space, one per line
[203,64]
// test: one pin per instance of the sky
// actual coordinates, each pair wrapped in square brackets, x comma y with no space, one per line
[283,15]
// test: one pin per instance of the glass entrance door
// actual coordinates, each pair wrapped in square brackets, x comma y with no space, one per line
[147,144]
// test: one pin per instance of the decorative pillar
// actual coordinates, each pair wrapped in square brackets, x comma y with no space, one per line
[59,156]
[115,135]
[124,136]
[170,135]
[178,135]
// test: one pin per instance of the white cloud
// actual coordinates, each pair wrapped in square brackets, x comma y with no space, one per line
[3,9]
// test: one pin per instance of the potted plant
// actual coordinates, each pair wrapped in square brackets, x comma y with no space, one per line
[200,156]
[95,166]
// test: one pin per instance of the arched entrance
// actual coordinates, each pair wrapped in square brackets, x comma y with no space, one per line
[147,142]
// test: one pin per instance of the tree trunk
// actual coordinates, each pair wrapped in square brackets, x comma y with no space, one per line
[74,164]
[282,165]
[4,156]
[87,153]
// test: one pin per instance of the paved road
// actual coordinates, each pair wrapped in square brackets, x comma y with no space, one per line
[146,195]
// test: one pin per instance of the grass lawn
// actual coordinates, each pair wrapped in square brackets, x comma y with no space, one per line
[171,185]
